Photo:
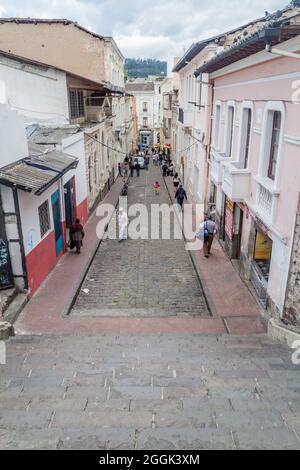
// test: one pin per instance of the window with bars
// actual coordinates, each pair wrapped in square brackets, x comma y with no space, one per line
[274,150]
[76,103]
[44,218]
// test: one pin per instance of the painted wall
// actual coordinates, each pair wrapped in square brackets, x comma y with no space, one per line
[198,120]
[63,46]
[114,64]
[11,125]
[46,97]
[262,85]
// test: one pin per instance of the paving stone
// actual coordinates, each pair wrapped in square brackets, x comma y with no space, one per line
[262,419]
[184,439]
[118,419]
[12,419]
[276,439]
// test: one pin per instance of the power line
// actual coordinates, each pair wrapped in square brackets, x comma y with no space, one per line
[124,153]
[105,145]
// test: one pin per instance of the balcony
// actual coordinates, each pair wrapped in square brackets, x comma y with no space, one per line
[266,199]
[235,181]
[216,169]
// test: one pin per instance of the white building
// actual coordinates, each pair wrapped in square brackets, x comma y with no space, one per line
[147,95]
[38,189]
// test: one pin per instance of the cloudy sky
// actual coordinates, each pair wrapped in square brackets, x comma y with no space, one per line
[148,28]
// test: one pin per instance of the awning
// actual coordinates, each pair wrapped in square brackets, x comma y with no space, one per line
[38,172]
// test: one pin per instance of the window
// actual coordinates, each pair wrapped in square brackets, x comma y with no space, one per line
[145,107]
[274,149]
[44,218]
[229,136]
[217,125]
[145,122]
[76,103]
[246,127]
[181,115]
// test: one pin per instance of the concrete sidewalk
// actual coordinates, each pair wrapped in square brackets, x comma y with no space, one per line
[227,295]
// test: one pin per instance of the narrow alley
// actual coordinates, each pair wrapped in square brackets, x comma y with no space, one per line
[143,277]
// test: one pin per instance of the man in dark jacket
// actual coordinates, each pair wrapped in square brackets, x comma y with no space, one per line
[76,235]
[180,196]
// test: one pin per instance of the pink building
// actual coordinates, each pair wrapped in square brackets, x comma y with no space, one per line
[254,159]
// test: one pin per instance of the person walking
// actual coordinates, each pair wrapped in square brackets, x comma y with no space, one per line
[209,229]
[180,196]
[131,167]
[77,236]
[156,187]
[165,169]
[123,224]
[138,169]
[176,182]
[120,169]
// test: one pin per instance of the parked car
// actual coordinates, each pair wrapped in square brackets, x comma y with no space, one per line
[141,161]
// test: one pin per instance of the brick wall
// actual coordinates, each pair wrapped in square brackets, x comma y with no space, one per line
[292,306]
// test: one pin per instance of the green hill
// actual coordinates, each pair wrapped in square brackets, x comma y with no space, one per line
[142,68]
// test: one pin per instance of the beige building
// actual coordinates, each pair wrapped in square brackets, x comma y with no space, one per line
[100,105]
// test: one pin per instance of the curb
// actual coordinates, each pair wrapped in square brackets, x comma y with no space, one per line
[77,288]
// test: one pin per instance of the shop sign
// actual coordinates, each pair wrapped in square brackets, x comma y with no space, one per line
[229,218]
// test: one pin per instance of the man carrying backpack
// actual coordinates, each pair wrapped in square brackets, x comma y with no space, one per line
[210,229]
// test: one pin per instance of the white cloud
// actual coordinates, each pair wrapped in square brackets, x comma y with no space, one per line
[146,28]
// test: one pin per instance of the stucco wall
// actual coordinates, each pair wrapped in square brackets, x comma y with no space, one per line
[63,46]
[13,141]
[37,93]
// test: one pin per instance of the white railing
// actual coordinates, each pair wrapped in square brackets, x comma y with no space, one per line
[216,160]
[266,199]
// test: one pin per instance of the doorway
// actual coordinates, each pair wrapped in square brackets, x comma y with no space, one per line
[70,203]
[55,200]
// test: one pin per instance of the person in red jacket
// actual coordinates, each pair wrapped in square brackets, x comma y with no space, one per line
[77,236]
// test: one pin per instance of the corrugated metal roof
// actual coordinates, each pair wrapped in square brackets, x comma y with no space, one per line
[44,135]
[37,172]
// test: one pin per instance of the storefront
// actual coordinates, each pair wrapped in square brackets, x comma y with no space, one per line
[261,263]
[232,228]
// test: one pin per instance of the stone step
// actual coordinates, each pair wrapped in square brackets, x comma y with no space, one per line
[15,308]
[6,330]
[139,312]
[6,297]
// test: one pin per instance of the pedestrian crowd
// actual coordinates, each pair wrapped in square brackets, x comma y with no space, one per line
[133,164]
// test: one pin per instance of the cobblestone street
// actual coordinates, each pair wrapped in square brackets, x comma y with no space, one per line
[143,277]
[187,392]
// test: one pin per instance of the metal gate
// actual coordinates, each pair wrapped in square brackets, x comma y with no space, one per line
[6,274]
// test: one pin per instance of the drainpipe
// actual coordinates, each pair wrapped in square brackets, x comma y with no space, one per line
[273,50]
